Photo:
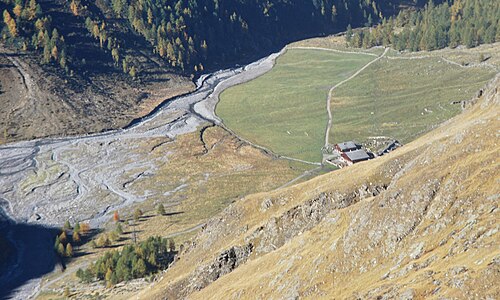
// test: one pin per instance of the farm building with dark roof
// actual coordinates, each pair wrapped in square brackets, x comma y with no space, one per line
[347,146]
[352,157]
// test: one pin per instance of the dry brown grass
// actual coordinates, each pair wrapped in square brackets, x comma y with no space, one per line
[236,169]
[203,182]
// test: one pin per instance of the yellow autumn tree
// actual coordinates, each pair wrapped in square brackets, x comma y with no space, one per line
[32,9]
[17,10]
[132,72]
[73,6]
[116,55]
[95,30]
[39,24]
[69,250]
[76,238]
[54,52]
[161,50]
[63,237]
[10,22]
[109,278]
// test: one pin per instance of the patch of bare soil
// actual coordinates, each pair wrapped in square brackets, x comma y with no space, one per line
[37,101]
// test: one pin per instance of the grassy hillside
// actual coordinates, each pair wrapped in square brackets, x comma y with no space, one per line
[402,98]
[285,109]
[420,222]
[194,177]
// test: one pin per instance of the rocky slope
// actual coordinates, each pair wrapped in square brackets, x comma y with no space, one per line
[38,102]
[421,222]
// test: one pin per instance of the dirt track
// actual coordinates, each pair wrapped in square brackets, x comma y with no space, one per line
[329,99]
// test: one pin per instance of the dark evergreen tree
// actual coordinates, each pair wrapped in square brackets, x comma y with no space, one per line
[452,23]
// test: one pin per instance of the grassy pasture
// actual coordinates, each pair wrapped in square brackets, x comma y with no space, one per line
[335,43]
[402,98]
[197,184]
[487,54]
[285,109]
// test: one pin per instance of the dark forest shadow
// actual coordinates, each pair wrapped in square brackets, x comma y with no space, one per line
[31,255]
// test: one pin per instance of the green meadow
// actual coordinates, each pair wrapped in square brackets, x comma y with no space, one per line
[285,109]
[402,99]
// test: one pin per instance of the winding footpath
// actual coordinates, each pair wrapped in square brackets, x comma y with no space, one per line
[330,93]
[377,57]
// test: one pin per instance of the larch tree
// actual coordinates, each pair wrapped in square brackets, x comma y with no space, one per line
[10,22]
[69,250]
[18,9]
[67,225]
[116,216]
[76,237]
[132,72]
[76,228]
[74,7]
[61,250]
[116,55]
[63,237]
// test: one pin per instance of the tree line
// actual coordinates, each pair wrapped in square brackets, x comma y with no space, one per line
[194,35]
[450,24]
[26,27]
[189,35]
[133,261]
[70,237]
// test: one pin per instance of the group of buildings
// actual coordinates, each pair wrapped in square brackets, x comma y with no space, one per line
[348,153]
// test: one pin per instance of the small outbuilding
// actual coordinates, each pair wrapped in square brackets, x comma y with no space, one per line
[391,147]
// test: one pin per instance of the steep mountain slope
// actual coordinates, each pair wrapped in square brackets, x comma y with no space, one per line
[186,34]
[38,101]
[419,222]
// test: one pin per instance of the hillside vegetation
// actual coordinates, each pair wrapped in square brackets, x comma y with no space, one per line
[188,35]
[452,23]
[421,222]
